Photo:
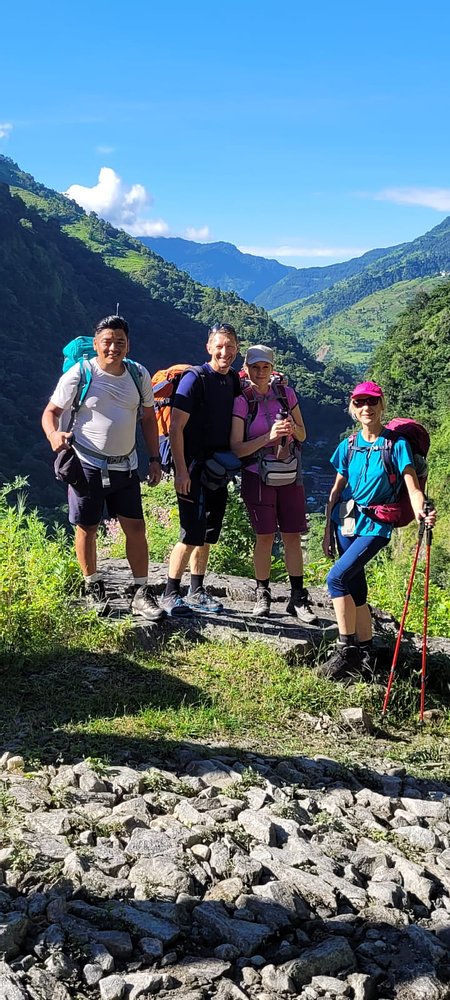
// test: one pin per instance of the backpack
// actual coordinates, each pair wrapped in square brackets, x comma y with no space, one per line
[399,512]
[165,383]
[80,351]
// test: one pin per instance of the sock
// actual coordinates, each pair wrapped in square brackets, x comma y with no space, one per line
[366,644]
[196,582]
[140,581]
[347,640]
[92,578]
[173,586]
[262,584]
[296,582]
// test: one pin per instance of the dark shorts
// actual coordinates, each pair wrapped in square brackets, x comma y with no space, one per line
[272,507]
[201,513]
[121,499]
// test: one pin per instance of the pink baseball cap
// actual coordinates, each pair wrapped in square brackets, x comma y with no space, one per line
[366,389]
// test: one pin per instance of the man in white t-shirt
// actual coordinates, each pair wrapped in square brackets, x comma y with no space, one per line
[103,437]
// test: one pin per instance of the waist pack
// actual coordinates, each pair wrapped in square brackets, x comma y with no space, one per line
[274,472]
[219,470]
[68,469]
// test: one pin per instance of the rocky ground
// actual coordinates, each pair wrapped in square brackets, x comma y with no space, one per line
[208,876]
[225,874]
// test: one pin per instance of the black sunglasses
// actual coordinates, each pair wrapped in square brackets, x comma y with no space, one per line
[222,326]
[367,401]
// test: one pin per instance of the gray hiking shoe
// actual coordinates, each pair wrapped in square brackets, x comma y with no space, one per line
[174,606]
[345,662]
[144,604]
[95,598]
[261,607]
[202,602]
[299,606]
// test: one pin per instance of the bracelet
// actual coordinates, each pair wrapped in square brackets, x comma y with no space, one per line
[155,458]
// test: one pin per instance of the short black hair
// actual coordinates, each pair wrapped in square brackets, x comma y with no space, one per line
[112,323]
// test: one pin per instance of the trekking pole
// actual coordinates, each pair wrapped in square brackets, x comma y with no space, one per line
[403,619]
[423,675]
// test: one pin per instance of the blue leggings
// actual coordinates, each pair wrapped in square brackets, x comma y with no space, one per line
[347,575]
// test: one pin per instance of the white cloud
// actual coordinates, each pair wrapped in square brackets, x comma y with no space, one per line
[345,253]
[438,198]
[124,207]
[5,129]
[191,233]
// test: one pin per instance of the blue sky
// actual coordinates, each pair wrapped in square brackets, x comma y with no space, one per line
[309,135]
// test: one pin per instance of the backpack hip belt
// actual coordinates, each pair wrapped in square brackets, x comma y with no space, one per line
[106,460]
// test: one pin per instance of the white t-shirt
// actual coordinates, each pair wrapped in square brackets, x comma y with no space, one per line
[106,420]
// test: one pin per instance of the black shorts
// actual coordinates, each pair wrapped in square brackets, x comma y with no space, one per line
[121,499]
[201,513]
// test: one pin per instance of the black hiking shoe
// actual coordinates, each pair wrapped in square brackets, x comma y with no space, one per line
[299,606]
[261,607]
[345,662]
[144,603]
[95,598]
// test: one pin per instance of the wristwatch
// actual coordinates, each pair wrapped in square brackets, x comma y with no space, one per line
[155,458]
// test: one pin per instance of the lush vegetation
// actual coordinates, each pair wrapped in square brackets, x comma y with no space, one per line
[353,333]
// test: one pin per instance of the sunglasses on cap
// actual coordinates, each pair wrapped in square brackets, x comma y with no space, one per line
[222,326]
[366,401]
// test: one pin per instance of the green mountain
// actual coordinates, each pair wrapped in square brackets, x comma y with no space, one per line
[61,270]
[319,320]
[220,265]
[305,281]
[352,334]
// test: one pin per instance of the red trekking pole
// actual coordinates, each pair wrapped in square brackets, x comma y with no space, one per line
[403,618]
[423,675]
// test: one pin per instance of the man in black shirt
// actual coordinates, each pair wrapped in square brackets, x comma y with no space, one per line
[200,424]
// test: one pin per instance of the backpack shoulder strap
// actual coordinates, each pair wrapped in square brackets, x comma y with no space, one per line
[136,375]
[351,444]
[386,455]
[85,379]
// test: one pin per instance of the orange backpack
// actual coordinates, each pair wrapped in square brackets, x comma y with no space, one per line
[165,384]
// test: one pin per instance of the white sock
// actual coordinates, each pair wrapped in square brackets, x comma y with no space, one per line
[141,581]
[92,578]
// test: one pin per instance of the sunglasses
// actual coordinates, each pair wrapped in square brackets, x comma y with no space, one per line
[222,326]
[367,401]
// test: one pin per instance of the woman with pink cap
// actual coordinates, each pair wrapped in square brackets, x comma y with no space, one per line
[360,482]
[267,424]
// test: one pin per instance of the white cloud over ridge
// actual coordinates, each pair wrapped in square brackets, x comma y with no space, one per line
[437,198]
[125,207]
[201,235]
[5,129]
[344,253]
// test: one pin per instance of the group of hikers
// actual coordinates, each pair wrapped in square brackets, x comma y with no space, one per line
[215,412]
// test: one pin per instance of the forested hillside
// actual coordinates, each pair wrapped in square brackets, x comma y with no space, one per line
[384,282]
[305,281]
[61,270]
[220,265]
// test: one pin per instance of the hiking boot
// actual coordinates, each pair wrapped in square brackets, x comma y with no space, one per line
[95,598]
[261,607]
[174,606]
[144,604]
[299,606]
[345,662]
[202,602]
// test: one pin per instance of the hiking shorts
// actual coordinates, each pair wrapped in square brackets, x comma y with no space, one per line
[201,513]
[121,499]
[272,507]
[347,576]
